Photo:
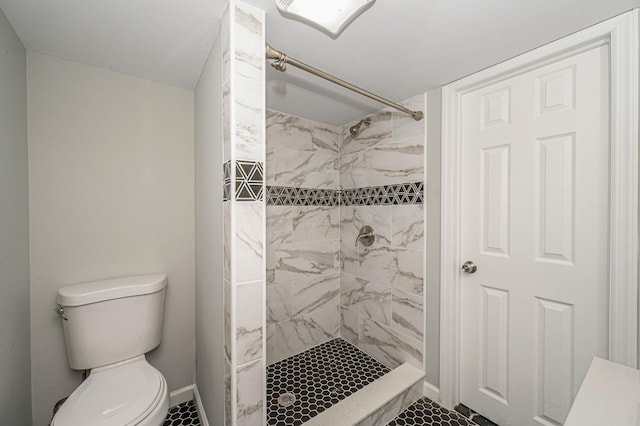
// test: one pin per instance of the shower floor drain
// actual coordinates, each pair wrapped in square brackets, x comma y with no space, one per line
[286,399]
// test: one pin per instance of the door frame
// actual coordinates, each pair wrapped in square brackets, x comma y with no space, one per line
[621,35]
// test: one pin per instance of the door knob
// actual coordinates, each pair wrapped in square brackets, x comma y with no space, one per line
[469,267]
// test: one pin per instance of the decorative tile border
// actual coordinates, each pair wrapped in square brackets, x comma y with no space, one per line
[249,181]
[404,193]
[249,177]
[287,196]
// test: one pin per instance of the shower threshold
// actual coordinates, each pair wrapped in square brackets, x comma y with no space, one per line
[304,385]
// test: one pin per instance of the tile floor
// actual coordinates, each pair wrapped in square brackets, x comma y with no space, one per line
[317,378]
[425,412]
[304,375]
[184,414]
[470,414]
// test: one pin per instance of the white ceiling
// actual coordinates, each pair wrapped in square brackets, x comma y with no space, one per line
[397,48]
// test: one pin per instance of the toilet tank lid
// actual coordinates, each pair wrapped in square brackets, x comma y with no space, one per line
[115,288]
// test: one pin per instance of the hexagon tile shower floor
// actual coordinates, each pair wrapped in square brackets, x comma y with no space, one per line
[303,386]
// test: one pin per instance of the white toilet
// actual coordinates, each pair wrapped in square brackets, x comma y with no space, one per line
[108,327]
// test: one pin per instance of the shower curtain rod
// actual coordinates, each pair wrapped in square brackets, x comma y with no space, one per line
[280,63]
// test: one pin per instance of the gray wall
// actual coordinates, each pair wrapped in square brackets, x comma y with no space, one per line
[111,193]
[15,391]
[209,238]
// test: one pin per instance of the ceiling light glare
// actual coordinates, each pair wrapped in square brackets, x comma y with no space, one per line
[330,16]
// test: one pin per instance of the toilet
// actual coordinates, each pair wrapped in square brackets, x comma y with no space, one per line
[109,326]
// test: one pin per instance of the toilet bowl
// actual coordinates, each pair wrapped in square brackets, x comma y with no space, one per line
[127,393]
[109,325]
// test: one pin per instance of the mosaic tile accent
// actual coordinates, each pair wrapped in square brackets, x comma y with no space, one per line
[403,193]
[427,413]
[185,414]
[318,378]
[287,196]
[249,181]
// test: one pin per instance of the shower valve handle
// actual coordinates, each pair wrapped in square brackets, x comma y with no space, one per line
[366,236]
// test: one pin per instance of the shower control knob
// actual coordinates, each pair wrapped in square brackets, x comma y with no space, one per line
[366,236]
[469,267]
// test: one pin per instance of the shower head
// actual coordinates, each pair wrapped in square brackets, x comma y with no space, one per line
[355,129]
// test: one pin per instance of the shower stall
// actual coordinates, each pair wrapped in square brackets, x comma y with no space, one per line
[319,310]
[341,313]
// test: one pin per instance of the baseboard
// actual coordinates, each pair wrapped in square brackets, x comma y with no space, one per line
[181,395]
[201,413]
[431,392]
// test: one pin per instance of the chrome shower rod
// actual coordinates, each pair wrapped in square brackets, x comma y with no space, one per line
[280,63]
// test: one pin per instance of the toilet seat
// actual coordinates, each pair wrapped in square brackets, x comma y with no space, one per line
[125,393]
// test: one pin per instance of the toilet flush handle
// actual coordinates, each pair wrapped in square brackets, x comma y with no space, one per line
[60,311]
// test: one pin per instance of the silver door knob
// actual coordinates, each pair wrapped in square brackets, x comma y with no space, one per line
[469,267]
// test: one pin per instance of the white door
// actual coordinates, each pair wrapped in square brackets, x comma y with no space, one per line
[535,205]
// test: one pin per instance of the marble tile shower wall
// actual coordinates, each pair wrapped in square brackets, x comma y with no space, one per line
[303,241]
[319,284]
[382,286]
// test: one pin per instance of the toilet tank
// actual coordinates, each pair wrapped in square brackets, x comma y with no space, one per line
[112,320]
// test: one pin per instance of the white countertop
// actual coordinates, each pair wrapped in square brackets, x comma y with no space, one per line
[609,395]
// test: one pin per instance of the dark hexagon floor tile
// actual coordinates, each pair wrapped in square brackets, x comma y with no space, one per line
[318,378]
[185,414]
[425,412]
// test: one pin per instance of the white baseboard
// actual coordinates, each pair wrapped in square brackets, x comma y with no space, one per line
[201,413]
[181,395]
[431,392]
